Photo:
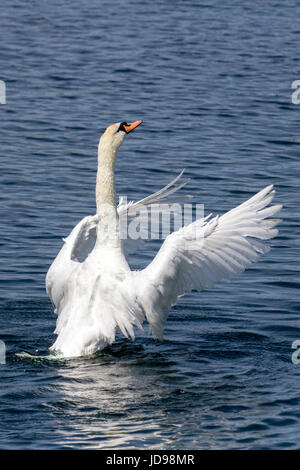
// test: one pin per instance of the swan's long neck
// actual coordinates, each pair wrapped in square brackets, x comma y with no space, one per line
[108,225]
[105,184]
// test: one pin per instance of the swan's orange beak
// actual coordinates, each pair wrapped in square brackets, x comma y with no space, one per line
[129,127]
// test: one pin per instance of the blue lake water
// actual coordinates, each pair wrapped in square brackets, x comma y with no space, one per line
[212,83]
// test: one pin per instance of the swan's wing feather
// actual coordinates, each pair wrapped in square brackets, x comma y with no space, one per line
[154,198]
[85,239]
[206,251]
[75,249]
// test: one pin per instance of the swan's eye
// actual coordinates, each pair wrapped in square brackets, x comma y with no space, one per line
[121,126]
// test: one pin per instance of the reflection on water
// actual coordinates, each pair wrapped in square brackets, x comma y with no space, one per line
[216,386]
[135,395]
[113,403]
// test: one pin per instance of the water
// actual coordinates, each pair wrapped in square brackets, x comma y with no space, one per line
[212,83]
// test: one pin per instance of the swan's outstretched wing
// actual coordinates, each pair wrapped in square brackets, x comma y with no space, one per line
[75,249]
[204,252]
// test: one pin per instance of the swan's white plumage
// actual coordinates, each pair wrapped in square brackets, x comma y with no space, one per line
[204,252]
[95,293]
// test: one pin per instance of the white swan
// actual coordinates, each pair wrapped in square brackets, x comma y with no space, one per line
[92,286]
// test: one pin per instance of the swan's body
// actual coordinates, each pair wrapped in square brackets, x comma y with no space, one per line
[92,286]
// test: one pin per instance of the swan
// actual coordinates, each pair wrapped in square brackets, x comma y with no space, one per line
[93,289]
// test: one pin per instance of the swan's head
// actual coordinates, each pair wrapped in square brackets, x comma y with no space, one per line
[114,134]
